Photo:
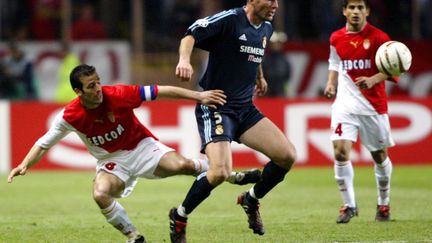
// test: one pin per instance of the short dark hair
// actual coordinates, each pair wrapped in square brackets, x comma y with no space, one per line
[78,72]
[345,3]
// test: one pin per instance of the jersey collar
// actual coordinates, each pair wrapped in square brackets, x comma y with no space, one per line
[355,32]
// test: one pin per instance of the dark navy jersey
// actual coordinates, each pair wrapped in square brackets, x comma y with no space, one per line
[236,48]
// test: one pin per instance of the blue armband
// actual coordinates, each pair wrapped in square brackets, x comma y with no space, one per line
[148,92]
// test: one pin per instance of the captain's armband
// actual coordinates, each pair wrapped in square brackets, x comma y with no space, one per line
[148,92]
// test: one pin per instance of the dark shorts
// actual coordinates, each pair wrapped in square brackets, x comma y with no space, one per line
[226,124]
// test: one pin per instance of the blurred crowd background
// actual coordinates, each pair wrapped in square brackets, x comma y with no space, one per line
[150,30]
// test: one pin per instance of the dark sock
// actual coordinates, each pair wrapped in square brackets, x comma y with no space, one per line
[178,217]
[271,176]
[199,191]
[250,200]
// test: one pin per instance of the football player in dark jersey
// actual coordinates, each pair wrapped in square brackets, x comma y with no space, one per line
[236,40]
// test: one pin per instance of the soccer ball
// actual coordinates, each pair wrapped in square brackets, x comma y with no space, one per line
[393,58]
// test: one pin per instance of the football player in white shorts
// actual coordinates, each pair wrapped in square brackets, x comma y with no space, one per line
[103,117]
[360,106]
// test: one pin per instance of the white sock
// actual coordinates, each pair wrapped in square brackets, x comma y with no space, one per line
[344,175]
[182,212]
[117,217]
[201,165]
[235,176]
[383,173]
[252,193]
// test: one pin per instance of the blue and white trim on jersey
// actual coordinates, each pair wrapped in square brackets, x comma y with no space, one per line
[211,19]
[148,92]
[207,123]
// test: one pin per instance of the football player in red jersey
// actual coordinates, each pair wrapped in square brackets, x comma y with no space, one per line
[360,107]
[103,117]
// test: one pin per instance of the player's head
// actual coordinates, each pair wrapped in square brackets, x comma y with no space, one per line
[356,12]
[262,10]
[86,83]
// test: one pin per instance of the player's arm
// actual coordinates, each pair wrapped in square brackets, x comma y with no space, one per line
[184,68]
[33,156]
[261,83]
[58,130]
[211,98]
[332,77]
[369,82]
[330,89]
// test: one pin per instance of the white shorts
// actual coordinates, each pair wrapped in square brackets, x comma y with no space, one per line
[128,165]
[374,129]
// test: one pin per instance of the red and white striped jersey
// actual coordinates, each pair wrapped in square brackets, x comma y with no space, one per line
[352,55]
[110,127]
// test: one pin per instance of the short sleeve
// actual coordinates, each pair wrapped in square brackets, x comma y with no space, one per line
[334,59]
[209,28]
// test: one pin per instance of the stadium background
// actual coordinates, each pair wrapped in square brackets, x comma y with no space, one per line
[139,46]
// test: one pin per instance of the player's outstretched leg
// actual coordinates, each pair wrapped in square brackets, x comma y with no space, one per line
[382,213]
[251,176]
[177,227]
[346,213]
[137,239]
[251,208]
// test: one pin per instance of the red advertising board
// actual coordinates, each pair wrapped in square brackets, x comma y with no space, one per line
[305,122]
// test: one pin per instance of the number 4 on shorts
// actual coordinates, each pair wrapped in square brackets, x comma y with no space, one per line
[338,129]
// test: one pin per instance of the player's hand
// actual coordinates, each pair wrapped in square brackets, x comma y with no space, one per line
[213,98]
[19,170]
[330,91]
[184,71]
[365,82]
[261,87]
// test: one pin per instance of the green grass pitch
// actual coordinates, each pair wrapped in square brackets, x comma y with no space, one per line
[58,207]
